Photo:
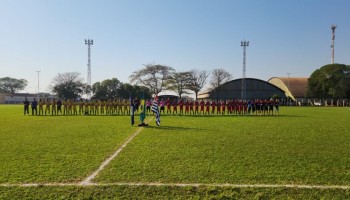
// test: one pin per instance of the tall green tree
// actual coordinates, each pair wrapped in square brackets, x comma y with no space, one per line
[107,89]
[135,91]
[219,77]
[152,76]
[330,81]
[197,80]
[12,85]
[179,82]
[113,88]
[68,85]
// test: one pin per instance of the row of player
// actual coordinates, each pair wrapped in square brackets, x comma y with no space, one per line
[122,107]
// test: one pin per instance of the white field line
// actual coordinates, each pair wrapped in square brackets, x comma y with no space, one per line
[108,160]
[89,184]
[87,181]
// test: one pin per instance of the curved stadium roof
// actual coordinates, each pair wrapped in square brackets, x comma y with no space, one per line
[255,89]
[293,87]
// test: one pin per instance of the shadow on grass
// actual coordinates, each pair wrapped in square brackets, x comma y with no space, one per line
[174,128]
[165,115]
[235,116]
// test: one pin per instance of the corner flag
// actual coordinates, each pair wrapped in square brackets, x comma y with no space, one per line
[156,110]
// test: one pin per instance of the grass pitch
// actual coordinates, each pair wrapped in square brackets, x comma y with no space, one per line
[302,146]
[45,149]
[305,146]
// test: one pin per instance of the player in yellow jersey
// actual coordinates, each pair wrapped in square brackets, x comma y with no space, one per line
[47,106]
[91,107]
[54,108]
[120,107]
[107,107]
[110,106]
[126,107]
[69,107]
[102,107]
[81,106]
[86,107]
[97,107]
[65,106]
[41,106]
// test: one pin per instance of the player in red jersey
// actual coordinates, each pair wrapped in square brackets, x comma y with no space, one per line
[236,106]
[191,103]
[218,108]
[213,104]
[223,107]
[201,104]
[245,107]
[229,107]
[240,107]
[187,107]
[207,107]
[174,104]
[181,104]
[196,107]
[168,106]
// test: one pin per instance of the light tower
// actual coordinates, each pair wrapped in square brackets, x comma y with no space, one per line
[244,44]
[38,83]
[333,27]
[89,43]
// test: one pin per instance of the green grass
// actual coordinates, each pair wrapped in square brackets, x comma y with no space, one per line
[302,146]
[166,192]
[307,146]
[56,149]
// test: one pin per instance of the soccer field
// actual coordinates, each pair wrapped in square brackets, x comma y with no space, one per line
[303,153]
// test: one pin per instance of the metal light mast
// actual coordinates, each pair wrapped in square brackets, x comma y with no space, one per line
[244,44]
[333,27]
[89,43]
[38,82]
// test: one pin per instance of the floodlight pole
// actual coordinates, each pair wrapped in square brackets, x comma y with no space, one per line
[38,83]
[288,79]
[333,27]
[89,43]
[288,74]
[244,44]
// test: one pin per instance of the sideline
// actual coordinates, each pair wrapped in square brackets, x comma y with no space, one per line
[108,160]
[90,184]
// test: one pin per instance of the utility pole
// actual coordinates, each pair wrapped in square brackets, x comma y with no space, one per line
[333,27]
[288,74]
[89,43]
[38,83]
[244,44]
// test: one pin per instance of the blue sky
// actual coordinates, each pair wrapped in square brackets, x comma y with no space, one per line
[286,36]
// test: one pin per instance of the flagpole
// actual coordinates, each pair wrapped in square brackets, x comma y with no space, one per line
[143,113]
[132,112]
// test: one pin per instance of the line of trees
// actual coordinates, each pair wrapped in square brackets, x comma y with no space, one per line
[70,85]
[150,80]
[12,85]
[161,77]
[330,81]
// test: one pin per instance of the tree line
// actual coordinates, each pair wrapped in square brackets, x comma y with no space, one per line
[329,81]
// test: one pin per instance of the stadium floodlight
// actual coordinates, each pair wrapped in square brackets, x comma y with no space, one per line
[89,43]
[333,27]
[38,82]
[244,44]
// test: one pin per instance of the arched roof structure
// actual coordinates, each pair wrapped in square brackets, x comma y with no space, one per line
[293,87]
[255,89]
